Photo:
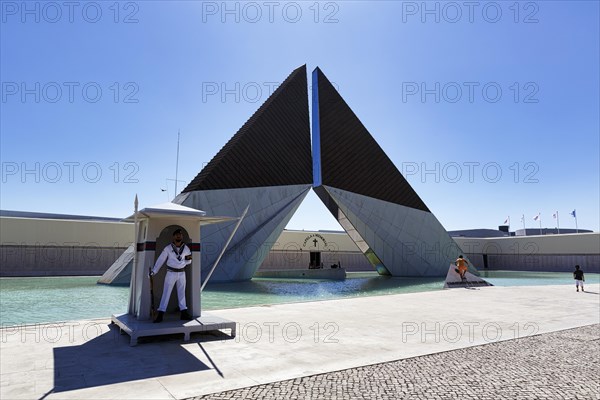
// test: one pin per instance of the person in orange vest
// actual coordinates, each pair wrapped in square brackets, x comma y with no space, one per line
[462,265]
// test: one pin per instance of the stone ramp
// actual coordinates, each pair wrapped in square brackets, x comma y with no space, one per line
[453,279]
[119,272]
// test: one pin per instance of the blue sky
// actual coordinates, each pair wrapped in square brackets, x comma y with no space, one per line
[490,110]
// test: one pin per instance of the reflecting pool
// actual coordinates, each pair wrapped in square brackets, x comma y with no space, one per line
[51,299]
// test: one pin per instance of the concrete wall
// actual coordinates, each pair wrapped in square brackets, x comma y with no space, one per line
[558,253]
[352,262]
[53,247]
[292,251]
[548,231]
[305,241]
[527,253]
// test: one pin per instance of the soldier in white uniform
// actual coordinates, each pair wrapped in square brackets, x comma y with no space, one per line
[178,256]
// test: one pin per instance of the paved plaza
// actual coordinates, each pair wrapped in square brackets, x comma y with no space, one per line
[558,365]
[463,343]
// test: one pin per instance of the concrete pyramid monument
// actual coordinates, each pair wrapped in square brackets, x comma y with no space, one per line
[269,166]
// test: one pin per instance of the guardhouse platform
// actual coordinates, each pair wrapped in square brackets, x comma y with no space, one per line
[170,325]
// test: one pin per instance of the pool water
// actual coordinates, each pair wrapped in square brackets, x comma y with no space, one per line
[526,278]
[51,299]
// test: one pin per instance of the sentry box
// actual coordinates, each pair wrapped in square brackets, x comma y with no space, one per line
[154,227]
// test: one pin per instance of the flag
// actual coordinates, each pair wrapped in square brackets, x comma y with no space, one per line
[573,214]
[536,217]
[506,220]
[523,218]
[554,215]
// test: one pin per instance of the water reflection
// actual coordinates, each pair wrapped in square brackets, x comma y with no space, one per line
[274,291]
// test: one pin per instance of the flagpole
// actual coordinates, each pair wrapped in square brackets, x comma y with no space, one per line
[523,219]
[177,163]
[575,215]
[540,218]
[133,285]
[557,223]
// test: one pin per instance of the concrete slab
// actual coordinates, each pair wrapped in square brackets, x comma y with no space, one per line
[90,359]
[171,326]
[454,281]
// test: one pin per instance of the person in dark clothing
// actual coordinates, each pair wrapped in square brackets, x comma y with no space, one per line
[579,278]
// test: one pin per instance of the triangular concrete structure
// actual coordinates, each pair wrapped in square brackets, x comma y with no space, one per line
[119,273]
[364,190]
[453,280]
[267,165]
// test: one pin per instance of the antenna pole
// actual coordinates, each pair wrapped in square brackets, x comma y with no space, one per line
[177,163]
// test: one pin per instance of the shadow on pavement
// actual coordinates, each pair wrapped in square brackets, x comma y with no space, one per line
[108,359]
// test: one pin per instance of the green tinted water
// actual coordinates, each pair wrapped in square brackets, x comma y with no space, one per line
[50,299]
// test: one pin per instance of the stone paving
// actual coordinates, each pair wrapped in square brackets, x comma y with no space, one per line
[557,365]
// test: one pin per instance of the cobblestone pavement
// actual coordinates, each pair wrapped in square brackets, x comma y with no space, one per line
[558,365]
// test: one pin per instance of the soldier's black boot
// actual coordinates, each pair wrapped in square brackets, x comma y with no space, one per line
[185,315]
[159,317]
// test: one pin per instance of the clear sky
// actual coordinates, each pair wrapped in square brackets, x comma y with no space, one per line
[490,109]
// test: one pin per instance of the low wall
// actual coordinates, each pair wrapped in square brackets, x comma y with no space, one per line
[31,260]
[53,247]
[552,253]
[540,262]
